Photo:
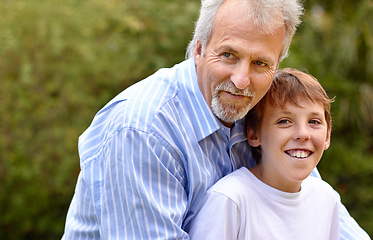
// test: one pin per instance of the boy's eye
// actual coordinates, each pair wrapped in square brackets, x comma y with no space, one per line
[314,122]
[283,121]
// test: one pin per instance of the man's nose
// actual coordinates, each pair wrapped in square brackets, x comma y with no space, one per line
[241,76]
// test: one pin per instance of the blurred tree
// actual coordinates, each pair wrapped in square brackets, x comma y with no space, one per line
[60,62]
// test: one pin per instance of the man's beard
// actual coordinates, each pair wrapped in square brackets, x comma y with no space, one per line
[230,112]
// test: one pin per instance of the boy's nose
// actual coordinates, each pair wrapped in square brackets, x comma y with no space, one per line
[302,133]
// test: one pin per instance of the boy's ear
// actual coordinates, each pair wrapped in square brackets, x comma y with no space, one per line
[327,143]
[252,138]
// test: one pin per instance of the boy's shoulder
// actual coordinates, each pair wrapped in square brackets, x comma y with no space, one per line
[234,185]
[317,186]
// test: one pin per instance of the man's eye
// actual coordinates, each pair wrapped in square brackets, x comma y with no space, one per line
[260,63]
[228,55]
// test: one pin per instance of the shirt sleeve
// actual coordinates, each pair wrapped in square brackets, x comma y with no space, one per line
[218,218]
[349,228]
[136,184]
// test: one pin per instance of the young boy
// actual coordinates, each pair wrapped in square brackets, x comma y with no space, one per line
[288,131]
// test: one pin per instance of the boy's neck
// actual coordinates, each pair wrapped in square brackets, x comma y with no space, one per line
[267,178]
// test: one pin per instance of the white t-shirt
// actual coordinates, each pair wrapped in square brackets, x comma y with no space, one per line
[240,206]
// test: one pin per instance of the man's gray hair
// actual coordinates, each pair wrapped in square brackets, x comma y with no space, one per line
[265,13]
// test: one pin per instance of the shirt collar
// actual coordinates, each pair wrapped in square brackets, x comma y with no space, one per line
[238,132]
[203,120]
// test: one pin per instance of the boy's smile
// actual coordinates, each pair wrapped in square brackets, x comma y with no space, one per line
[299,153]
[292,140]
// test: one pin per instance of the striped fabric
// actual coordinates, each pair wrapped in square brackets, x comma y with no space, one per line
[149,156]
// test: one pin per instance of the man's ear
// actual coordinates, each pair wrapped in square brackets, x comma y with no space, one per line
[198,51]
[253,138]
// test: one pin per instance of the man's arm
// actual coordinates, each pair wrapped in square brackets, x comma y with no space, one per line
[349,228]
[136,186]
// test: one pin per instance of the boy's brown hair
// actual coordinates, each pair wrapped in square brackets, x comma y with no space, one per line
[288,86]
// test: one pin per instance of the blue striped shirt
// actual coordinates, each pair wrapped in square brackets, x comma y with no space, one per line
[149,156]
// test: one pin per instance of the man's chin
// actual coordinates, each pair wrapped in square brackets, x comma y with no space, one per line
[229,117]
[228,113]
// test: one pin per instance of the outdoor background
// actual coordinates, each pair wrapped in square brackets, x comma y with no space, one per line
[61,61]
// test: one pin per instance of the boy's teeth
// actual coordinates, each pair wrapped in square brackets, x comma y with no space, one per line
[298,154]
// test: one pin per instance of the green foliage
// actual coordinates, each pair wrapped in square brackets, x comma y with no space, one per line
[61,61]
[335,44]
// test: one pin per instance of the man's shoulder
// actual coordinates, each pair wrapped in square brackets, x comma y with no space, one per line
[136,106]
[155,105]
